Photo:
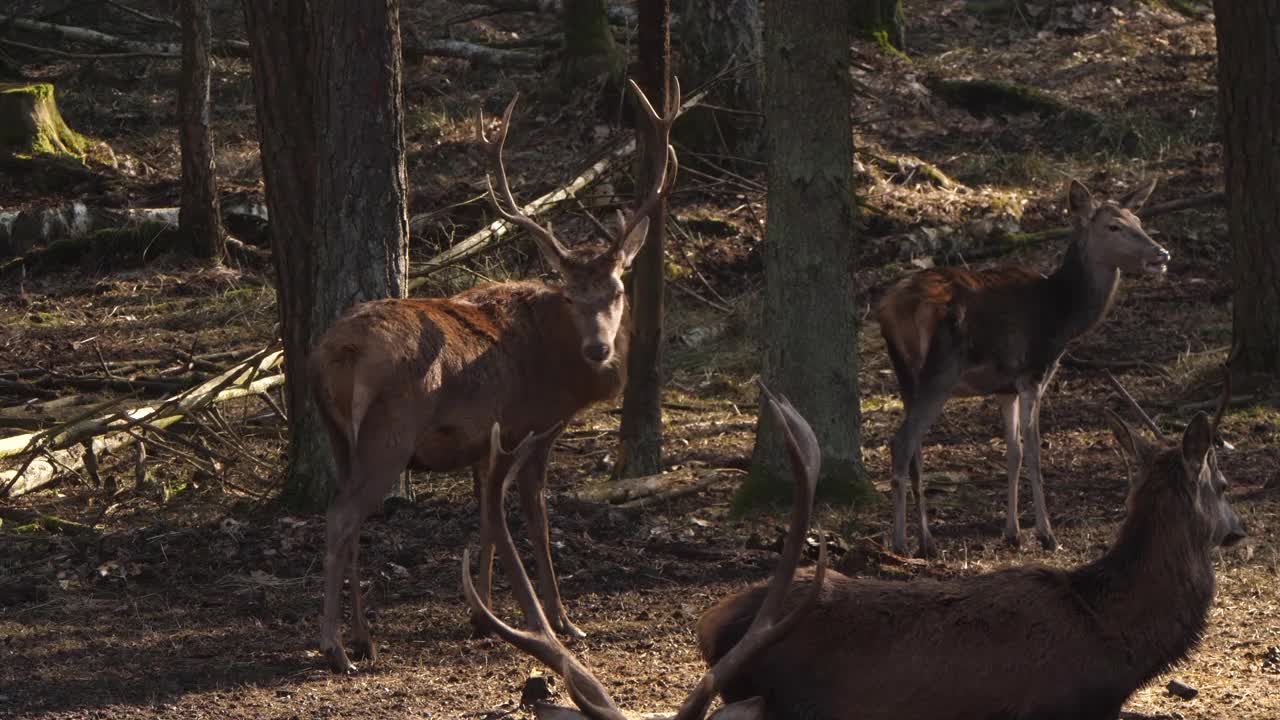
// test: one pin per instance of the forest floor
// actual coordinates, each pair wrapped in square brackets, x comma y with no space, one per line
[198,596]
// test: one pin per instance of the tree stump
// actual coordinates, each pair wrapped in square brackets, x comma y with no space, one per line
[30,123]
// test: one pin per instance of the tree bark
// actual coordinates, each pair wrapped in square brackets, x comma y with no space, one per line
[715,35]
[810,324]
[327,79]
[589,50]
[198,217]
[642,400]
[1249,93]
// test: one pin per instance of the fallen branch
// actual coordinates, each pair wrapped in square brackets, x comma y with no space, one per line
[618,15]
[471,52]
[496,230]
[65,445]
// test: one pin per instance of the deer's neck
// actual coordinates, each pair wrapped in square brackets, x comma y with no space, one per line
[1150,593]
[1082,289]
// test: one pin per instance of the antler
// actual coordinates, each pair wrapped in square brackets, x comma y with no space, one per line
[769,626]
[1146,419]
[664,155]
[513,213]
[1226,387]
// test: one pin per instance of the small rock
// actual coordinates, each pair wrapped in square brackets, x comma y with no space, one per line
[1186,692]
[537,689]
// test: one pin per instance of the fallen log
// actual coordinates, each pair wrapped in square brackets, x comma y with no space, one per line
[50,451]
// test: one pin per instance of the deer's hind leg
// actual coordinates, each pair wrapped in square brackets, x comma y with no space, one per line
[934,386]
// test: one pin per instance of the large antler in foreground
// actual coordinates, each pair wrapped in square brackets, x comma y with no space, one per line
[769,625]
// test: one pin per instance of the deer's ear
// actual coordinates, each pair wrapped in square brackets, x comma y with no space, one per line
[1132,443]
[1079,202]
[632,243]
[1197,440]
[751,709]
[1138,196]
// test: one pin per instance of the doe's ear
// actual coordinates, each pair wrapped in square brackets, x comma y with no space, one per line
[1197,440]
[1079,202]
[1132,443]
[632,243]
[1138,196]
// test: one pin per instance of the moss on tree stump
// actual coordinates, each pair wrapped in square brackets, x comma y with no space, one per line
[30,123]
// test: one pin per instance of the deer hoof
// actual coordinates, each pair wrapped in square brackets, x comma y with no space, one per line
[338,661]
[570,630]
[479,629]
[1011,538]
[1048,541]
[363,649]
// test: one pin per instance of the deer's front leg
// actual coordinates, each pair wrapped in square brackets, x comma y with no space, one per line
[1013,458]
[533,503]
[1029,410]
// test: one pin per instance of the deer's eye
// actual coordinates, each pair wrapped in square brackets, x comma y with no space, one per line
[1114,227]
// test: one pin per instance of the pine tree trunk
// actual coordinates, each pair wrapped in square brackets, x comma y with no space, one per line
[810,324]
[589,50]
[716,34]
[199,218]
[328,79]
[642,400]
[1249,91]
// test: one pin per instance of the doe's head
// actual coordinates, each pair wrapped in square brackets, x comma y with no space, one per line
[1112,233]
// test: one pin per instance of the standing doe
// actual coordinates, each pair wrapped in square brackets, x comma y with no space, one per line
[952,332]
[1025,643]
[767,626]
[420,381]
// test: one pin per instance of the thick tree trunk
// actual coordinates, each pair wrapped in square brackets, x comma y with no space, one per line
[642,399]
[714,35]
[327,80]
[589,50]
[810,324]
[199,218]
[1249,90]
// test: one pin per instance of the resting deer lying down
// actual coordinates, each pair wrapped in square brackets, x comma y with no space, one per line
[766,626]
[952,332]
[1026,643]
[419,382]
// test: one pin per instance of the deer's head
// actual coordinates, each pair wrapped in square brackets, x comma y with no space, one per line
[592,281]
[1111,232]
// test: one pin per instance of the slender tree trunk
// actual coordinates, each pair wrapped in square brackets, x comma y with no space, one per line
[881,19]
[642,399]
[810,324]
[198,215]
[1249,91]
[715,35]
[327,84]
[589,50]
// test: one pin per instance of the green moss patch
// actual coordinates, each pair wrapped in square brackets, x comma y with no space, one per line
[30,123]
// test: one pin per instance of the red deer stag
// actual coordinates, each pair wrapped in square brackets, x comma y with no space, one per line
[952,332]
[419,381]
[767,627]
[1025,643]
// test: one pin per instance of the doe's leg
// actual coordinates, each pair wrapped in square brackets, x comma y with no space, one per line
[1029,410]
[1013,458]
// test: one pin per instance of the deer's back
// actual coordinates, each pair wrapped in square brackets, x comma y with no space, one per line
[1011,644]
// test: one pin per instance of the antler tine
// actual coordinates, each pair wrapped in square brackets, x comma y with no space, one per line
[512,212]
[1146,419]
[660,142]
[540,641]
[767,628]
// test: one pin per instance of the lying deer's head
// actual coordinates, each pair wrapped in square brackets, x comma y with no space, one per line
[1188,467]
[592,281]
[1111,232]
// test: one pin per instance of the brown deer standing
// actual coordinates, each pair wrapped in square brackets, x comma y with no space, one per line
[1026,643]
[952,332]
[419,382]
[768,626]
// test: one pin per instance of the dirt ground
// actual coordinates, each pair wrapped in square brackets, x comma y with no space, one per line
[197,596]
